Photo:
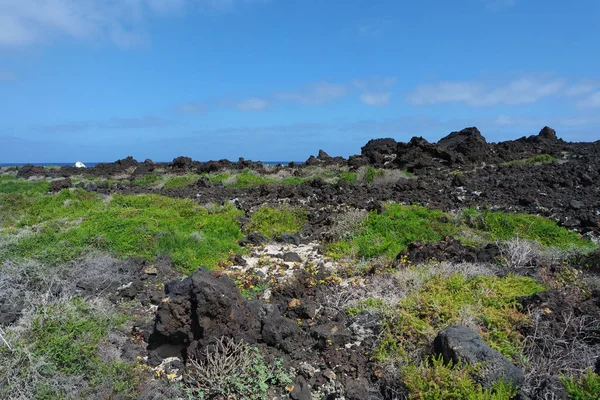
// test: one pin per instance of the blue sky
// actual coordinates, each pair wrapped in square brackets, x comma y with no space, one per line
[98,80]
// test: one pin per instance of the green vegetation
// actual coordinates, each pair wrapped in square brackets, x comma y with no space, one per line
[488,301]
[388,233]
[147,180]
[370,174]
[272,222]
[247,178]
[349,177]
[61,344]
[73,222]
[497,225]
[586,387]
[180,181]
[235,370]
[10,185]
[69,334]
[433,380]
[541,159]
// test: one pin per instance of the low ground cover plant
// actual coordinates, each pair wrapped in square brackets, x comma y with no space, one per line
[541,159]
[55,354]
[272,222]
[68,224]
[389,232]
[486,303]
[432,379]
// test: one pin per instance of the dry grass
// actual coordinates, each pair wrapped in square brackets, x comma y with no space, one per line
[569,351]
[346,223]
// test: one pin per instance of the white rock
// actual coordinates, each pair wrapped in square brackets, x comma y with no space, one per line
[79,164]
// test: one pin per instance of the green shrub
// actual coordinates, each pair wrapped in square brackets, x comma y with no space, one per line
[272,222]
[498,225]
[177,182]
[70,223]
[68,335]
[488,301]
[55,355]
[10,185]
[371,174]
[147,180]
[234,370]
[247,178]
[391,231]
[388,233]
[586,387]
[350,177]
[541,159]
[434,380]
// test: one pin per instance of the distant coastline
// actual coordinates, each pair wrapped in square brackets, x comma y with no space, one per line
[91,164]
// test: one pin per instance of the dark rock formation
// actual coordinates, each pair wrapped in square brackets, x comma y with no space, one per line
[182,162]
[198,310]
[379,151]
[60,184]
[449,249]
[459,343]
[27,171]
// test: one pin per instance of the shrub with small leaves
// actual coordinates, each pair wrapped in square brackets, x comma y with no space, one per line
[233,370]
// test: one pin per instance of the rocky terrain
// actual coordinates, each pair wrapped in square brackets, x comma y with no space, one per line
[456,269]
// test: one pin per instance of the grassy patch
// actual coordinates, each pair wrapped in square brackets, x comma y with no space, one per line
[349,177]
[490,302]
[10,185]
[541,159]
[177,182]
[497,225]
[72,222]
[272,222]
[57,355]
[390,232]
[69,334]
[247,178]
[432,379]
[586,387]
[370,174]
[147,180]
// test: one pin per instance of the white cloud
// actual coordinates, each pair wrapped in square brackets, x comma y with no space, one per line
[25,22]
[376,99]
[582,88]
[370,91]
[253,104]
[316,94]
[518,91]
[591,101]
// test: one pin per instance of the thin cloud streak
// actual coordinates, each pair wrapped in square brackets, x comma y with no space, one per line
[26,22]
[376,99]
[371,92]
[591,101]
[516,92]
[315,94]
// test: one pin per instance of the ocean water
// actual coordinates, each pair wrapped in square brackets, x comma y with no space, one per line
[91,164]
